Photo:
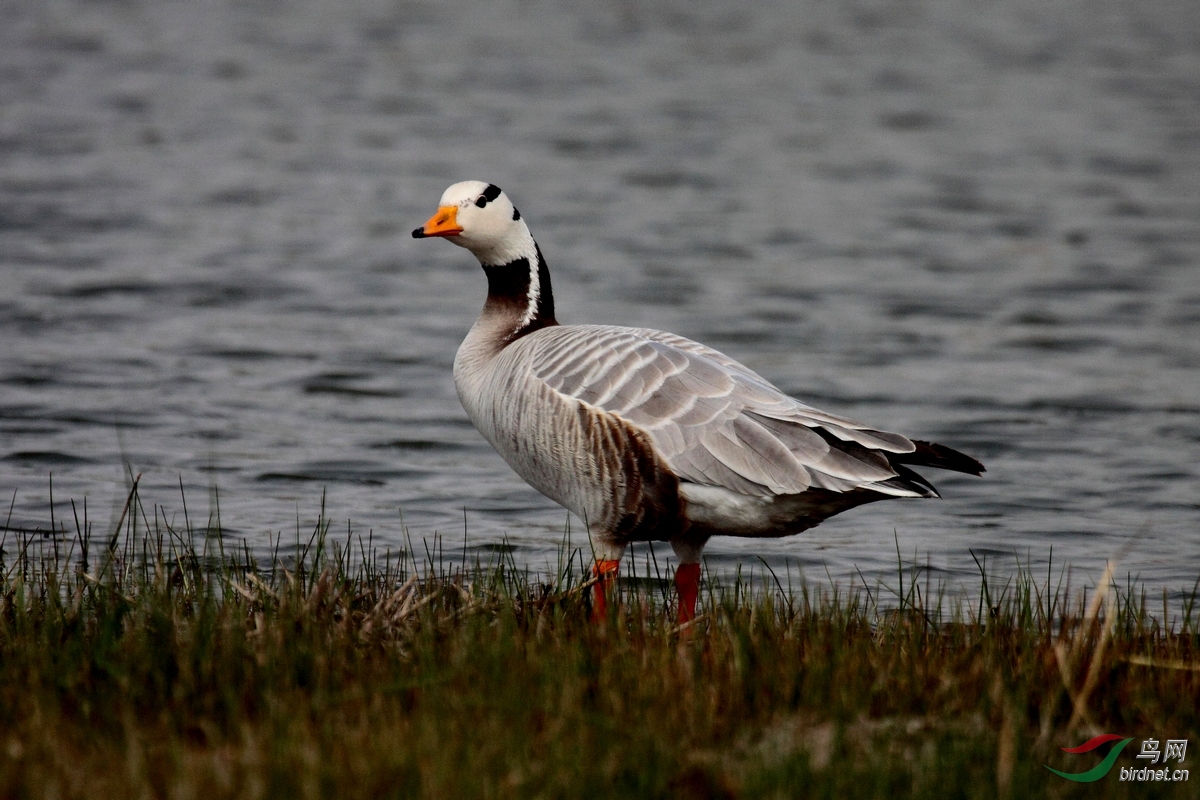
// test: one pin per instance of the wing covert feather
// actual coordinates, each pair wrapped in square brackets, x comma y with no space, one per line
[713,420]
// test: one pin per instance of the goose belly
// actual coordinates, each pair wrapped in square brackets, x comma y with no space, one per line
[715,510]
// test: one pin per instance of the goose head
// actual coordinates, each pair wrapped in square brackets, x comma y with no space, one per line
[481,218]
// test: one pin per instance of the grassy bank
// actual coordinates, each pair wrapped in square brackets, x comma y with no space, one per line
[166,670]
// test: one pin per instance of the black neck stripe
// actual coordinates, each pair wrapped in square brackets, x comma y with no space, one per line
[508,292]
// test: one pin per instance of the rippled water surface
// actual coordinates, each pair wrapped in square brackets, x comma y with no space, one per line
[973,223]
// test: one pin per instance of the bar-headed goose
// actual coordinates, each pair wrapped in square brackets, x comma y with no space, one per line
[646,435]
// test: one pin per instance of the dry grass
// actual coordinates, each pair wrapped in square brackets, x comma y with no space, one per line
[161,671]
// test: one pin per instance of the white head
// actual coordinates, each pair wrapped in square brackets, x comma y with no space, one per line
[481,218]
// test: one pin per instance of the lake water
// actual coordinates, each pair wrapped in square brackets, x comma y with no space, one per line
[976,223]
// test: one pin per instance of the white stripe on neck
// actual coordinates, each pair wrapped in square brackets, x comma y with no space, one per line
[535,291]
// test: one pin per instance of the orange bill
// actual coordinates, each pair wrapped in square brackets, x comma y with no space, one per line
[443,223]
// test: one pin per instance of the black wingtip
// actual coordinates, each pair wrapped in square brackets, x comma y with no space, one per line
[908,479]
[419,233]
[931,454]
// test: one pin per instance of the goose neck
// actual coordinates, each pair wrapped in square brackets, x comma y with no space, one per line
[519,294]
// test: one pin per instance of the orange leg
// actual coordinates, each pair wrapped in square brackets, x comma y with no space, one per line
[687,587]
[606,571]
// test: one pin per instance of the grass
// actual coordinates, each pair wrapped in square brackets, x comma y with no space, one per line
[151,668]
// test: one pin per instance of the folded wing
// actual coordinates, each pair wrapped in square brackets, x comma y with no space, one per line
[717,423]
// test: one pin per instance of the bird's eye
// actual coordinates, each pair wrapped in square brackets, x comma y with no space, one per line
[481,201]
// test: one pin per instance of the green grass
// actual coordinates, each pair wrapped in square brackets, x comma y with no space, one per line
[164,669]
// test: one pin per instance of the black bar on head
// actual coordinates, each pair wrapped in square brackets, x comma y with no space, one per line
[491,192]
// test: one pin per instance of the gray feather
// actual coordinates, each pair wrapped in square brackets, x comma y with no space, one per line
[715,422]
